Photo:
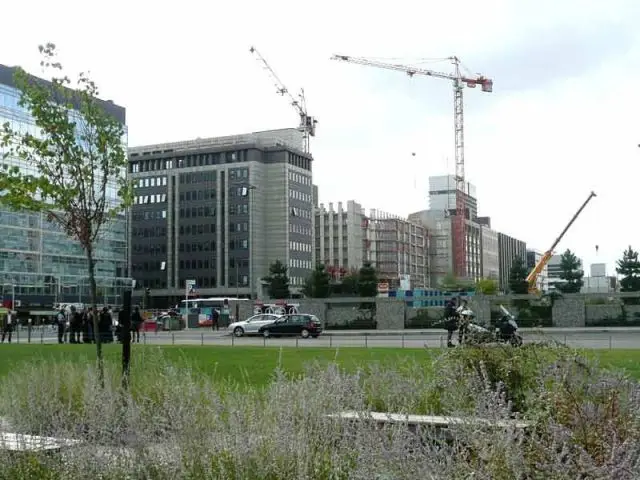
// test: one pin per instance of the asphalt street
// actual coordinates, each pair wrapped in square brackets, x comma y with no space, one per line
[597,339]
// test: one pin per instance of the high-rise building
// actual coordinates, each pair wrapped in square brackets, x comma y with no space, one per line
[490,253]
[533,257]
[509,248]
[39,264]
[340,236]
[399,249]
[442,196]
[220,211]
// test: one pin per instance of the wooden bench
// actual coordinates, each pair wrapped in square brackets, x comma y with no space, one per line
[440,423]
[21,443]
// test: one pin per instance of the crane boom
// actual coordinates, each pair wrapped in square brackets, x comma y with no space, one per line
[486,84]
[532,278]
[307,123]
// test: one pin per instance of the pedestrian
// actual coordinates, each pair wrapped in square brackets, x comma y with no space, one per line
[7,326]
[465,316]
[215,317]
[450,320]
[224,313]
[136,323]
[106,326]
[61,321]
[76,325]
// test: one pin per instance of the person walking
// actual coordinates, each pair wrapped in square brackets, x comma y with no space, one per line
[7,327]
[62,323]
[450,320]
[75,321]
[136,323]
[215,319]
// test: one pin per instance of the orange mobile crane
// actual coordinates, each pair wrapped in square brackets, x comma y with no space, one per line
[532,279]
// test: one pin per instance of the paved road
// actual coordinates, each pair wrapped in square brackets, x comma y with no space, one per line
[614,338]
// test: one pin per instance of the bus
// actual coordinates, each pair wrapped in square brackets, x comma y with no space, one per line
[204,306]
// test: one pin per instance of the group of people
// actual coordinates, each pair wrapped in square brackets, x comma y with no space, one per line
[457,316]
[78,326]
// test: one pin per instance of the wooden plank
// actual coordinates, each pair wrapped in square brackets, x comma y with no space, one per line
[17,442]
[428,420]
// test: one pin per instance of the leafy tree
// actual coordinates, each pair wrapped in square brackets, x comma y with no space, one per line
[518,277]
[318,285]
[571,272]
[77,156]
[451,283]
[350,282]
[629,269]
[367,281]
[277,282]
[487,286]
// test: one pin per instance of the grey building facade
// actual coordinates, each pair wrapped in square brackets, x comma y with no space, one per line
[508,249]
[219,211]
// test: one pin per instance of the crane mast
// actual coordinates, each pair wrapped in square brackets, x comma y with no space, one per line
[307,123]
[459,81]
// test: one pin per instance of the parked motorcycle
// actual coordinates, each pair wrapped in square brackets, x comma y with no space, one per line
[505,331]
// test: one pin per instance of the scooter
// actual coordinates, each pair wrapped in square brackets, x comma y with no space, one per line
[507,329]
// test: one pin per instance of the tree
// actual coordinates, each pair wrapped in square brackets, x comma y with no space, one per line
[629,269]
[277,282]
[77,158]
[518,277]
[571,272]
[318,285]
[367,281]
[487,286]
[350,282]
[451,283]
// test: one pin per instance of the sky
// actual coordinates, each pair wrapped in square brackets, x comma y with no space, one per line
[561,121]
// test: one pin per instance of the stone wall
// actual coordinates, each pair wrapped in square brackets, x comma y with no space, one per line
[598,313]
[390,314]
[569,312]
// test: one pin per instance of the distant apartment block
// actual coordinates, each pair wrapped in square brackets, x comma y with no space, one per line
[490,253]
[509,248]
[442,196]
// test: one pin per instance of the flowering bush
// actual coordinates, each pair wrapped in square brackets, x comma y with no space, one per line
[173,424]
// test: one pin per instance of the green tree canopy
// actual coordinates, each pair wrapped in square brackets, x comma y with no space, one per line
[518,277]
[367,281]
[487,286]
[277,282]
[77,155]
[571,272]
[318,285]
[629,269]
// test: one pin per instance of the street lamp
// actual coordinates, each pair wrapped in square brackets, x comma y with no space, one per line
[248,190]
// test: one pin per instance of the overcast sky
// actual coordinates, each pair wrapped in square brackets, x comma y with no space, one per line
[562,119]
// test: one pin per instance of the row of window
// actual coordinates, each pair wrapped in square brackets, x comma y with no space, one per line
[196,160]
[147,232]
[149,215]
[200,264]
[305,197]
[300,212]
[199,177]
[194,212]
[197,229]
[146,199]
[198,195]
[297,177]
[239,209]
[209,246]
[239,174]
[299,247]
[298,263]
[149,249]
[150,182]
[301,229]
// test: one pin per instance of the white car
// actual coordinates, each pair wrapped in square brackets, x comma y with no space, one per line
[252,324]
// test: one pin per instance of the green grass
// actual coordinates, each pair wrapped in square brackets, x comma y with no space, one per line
[256,365]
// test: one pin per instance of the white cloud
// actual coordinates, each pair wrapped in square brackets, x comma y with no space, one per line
[563,123]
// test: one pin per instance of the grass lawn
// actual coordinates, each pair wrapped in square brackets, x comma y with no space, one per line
[255,365]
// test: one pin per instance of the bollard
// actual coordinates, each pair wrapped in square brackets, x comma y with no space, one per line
[296,342]
[441,341]
[18,333]
[29,334]
[264,341]
[144,338]
[202,339]
[565,339]
[173,339]
[403,340]
[366,340]
[610,342]
[330,341]
[233,339]
[42,336]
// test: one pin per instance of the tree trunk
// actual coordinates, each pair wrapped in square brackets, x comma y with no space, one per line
[94,302]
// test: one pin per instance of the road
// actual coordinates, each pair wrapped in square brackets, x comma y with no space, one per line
[613,338]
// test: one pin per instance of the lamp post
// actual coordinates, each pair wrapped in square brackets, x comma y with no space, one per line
[248,190]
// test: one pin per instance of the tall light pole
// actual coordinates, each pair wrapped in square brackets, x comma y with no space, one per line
[248,191]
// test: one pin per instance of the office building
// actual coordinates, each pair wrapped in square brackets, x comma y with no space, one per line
[442,196]
[39,264]
[340,236]
[220,211]
[399,249]
[533,257]
[509,248]
[489,253]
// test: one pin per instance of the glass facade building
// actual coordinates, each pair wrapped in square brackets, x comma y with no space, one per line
[39,264]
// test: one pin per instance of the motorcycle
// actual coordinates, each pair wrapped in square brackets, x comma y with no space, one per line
[505,331]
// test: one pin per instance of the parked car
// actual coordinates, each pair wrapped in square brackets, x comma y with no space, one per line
[301,324]
[251,325]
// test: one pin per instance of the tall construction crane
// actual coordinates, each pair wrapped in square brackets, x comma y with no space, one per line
[459,81]
[307,123]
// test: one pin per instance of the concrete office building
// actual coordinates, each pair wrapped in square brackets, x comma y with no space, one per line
[220,211]
[533,257]
[39,264]
[340,236]
[490,253]
[509,248]
[442,196]
[399,249]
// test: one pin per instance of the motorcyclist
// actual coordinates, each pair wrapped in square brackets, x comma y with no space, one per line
[450,320]
[465,316]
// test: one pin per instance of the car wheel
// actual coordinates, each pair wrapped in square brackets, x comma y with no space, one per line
[266,333]
[304,333]
[238,331]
